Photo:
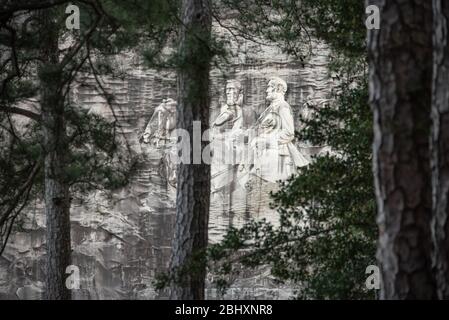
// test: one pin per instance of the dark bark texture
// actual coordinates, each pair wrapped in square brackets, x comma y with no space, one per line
[440,148]
[57,198]
[400,61]
[193,180]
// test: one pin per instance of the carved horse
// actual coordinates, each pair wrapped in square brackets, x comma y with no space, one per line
[158,132]
[161,124]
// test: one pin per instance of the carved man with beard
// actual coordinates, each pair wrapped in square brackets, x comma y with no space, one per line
[231,113]
[226,127]
[275,155]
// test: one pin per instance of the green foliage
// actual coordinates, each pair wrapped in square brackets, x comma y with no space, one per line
[96,160]
[292,24]
[341,23]
[18,153]
[277,21]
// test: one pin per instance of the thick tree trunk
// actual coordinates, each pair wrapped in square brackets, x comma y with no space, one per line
[57,198]
[400,56]
[440,148]
[193,180]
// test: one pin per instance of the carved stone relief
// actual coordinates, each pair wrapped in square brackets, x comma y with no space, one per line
[250,154]
[121,241]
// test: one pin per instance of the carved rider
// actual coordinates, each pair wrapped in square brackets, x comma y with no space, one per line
[161,123]
[231,113]
[275,155]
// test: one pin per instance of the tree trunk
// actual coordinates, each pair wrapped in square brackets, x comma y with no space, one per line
[193,180]
[440,148]
[57,198]
[400,57]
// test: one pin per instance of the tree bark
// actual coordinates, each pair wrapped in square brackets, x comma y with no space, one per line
[57,198]
[193,180]
[400,61]
[440,148]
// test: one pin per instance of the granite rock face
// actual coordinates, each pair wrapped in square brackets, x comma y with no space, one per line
[121,241]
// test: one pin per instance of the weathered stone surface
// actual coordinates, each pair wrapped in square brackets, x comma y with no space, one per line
[120,242]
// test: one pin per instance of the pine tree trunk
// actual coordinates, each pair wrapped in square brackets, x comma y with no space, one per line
[400,56]
[193,180]
[440,148]
[57,198]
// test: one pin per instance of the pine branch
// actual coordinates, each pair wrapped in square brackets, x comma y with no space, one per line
[7,218]
[23,112]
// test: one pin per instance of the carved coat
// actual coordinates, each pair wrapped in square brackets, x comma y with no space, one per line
[275,155]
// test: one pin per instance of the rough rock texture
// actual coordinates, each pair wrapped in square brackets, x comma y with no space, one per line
[120,241]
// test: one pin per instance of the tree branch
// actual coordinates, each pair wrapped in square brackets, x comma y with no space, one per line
[26,113]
